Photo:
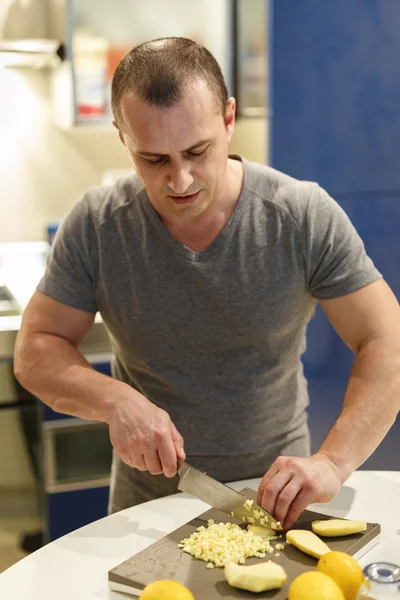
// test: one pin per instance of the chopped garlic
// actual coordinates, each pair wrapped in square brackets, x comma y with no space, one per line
[248,504]
[277,554]
[259,515]
[210,566]
[280,546]
[225,542]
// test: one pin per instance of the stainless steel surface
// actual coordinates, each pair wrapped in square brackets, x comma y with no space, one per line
[21,268]
[8,304]
[216,494]
[97,339]
[66,468]
[8,384]
[78,485]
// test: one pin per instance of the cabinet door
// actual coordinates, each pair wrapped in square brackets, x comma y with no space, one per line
[335,92]
[67,511]
[327,361]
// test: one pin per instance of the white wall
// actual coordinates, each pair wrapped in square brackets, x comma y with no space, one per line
[23,19]
[43,170]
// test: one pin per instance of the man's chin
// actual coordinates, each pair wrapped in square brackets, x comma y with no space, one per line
[190,210]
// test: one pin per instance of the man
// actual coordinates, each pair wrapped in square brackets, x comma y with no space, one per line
[206,270]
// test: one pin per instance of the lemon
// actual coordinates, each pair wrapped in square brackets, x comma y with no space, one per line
[165,589]
[314,586]
[345,570]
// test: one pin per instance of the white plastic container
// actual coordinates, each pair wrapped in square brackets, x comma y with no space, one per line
[90,73]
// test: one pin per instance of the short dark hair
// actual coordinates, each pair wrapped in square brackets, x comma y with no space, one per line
[158,71]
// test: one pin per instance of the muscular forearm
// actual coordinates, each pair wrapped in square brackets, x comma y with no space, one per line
[371,405]
[59,375]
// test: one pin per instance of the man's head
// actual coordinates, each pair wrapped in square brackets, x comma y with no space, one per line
[173,114]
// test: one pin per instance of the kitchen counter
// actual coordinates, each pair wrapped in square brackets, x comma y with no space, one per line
[22,265]
[97,339]
[76,566]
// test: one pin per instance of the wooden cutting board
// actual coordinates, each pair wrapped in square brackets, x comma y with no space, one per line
[164,560]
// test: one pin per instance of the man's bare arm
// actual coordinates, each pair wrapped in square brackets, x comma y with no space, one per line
[368,321]
[48,364]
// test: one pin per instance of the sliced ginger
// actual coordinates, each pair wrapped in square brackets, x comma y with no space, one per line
[307,542]
[255,578]
[337,527]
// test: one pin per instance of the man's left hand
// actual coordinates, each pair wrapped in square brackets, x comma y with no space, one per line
[292,483]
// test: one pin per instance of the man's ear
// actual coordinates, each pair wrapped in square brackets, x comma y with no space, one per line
[230,118]
[121,135]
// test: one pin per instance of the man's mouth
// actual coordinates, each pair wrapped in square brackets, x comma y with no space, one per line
[187,199]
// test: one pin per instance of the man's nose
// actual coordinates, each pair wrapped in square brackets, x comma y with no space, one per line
[180,179]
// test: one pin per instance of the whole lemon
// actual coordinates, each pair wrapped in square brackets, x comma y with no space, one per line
[344,569]
[165,589]
[314,586]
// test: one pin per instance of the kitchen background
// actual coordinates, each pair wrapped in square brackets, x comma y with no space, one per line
[56,141]
[45,168]
[299,110]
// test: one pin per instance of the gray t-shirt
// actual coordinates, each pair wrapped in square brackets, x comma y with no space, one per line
[213,337]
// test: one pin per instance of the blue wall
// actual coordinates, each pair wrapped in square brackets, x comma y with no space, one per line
[335,103]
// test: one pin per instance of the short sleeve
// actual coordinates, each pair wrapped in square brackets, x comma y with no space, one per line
[71,273]
[336,257]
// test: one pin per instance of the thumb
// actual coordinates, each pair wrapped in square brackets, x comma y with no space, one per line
[178,442]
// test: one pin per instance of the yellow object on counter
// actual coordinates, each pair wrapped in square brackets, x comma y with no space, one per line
[307,542]
[345,570]
[314,586]
[337,527]
[221,543]
[166,589]
[256,578]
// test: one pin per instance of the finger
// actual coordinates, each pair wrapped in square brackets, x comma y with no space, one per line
[178,442]
[152,461]
[299,504]
[138,462]
[286,497]
[167,453]
[272,471]
[134,461]
[272,490]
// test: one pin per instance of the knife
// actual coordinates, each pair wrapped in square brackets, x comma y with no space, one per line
[220,496]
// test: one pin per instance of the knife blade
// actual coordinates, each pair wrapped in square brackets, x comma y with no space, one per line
[220,496]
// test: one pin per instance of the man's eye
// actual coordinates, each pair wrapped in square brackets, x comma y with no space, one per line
[158,161]
[198,153]
[162,160]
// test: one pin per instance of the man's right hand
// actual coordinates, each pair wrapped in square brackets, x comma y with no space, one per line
[144,436]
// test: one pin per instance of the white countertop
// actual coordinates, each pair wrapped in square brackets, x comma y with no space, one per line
[75,566]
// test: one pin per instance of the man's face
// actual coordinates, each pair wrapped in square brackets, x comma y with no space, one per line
[180,153]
